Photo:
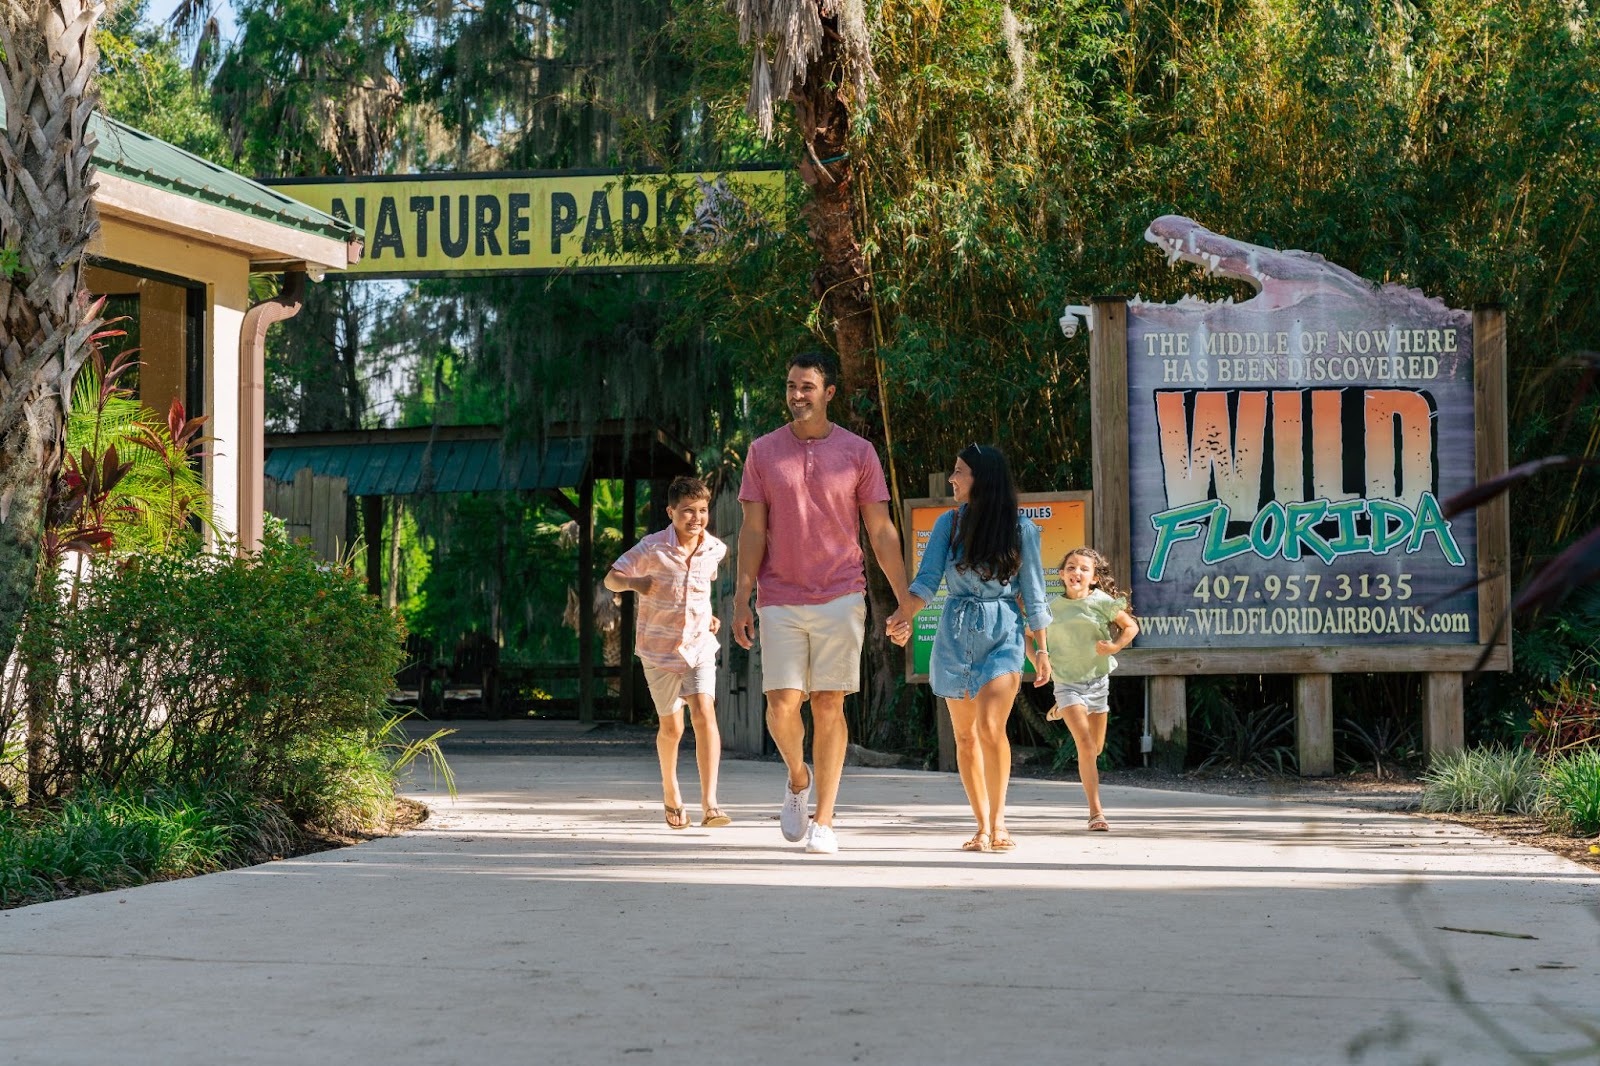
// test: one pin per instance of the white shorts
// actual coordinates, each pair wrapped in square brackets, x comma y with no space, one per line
[668,689]
[813,647]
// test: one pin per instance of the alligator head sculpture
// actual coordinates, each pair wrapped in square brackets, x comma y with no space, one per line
[1282,279]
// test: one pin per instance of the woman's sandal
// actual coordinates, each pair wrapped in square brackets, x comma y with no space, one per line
[1003,842]
[1098,824]
[677,818]
[979,842]
[715,819]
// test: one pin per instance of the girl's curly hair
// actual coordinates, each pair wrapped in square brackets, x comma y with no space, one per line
[1103,580]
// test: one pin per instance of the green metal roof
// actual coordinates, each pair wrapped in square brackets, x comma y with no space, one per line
[408,468]
[137,156]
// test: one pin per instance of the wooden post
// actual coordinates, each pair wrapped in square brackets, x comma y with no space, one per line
[1169,723]
[396,513]
[630,536]
[372,530]
[1313,724]
[1108,394]
[300,509]
[586,599]
[1443,721]
[1494,517]
[1108,386]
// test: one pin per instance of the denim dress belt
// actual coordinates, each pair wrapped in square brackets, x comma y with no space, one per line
[970,625]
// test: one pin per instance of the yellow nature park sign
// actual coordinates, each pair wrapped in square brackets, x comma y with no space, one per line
[427,225]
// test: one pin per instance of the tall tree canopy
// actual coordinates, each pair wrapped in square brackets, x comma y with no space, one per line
[1002,159]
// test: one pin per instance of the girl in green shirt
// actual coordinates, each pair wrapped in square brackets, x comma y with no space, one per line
[1083,657]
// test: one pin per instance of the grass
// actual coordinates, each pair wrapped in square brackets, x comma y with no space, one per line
[1571,802]
[99,839]
[1483,781]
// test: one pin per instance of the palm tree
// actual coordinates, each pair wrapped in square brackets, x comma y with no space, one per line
[47,217]
[817,55]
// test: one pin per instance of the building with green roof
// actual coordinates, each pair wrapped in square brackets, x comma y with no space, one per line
[180,238]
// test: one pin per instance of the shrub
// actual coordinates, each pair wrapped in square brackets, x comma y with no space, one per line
[1571,800]
[1566,717]
[339,783]
[1385,743]
[193,667]
[1241,725]
[1483,781]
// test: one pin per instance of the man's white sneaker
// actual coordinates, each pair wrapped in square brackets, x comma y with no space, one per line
[796,809]
[821,841]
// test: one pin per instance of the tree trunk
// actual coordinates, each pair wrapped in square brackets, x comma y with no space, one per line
[47,218]
[842,286]
[840,283]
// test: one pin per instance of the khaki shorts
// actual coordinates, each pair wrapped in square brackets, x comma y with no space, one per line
[668,689]
[813,647]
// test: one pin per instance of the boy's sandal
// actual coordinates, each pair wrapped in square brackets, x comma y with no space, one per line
[677,818]
[715,818]
[1003,842]
[979,842]
[1098,824]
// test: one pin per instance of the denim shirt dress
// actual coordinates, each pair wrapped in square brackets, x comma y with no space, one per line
[980,633]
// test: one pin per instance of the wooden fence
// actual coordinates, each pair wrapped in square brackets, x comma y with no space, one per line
[315,508]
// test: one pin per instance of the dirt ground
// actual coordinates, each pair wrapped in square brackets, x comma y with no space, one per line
[1390,793]
[408,814]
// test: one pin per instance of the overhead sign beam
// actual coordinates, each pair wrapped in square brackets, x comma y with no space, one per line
[545,222]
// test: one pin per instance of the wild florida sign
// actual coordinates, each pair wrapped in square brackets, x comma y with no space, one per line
[1288,454]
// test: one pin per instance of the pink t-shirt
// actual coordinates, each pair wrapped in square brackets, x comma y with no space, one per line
[814,490]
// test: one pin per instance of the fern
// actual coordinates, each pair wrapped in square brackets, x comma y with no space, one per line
[151,507]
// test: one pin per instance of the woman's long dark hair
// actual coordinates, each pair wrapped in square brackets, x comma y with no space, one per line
[986,537]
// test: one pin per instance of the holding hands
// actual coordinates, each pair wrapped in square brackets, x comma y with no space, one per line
[1106,647]
[898,626]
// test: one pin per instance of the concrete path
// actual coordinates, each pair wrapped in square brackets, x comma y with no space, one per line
[549,916]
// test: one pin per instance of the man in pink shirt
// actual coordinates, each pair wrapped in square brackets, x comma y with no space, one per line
[808,488]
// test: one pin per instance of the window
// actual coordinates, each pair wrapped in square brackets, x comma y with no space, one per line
[164,318]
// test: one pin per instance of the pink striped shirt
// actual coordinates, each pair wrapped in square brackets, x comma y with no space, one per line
[674,617]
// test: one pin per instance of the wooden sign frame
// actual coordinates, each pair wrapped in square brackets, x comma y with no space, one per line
[1442,666]
[1109,414]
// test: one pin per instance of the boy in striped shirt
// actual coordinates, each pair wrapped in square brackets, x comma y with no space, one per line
[672,573]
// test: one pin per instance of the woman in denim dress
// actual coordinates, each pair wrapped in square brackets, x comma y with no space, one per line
[987,556]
